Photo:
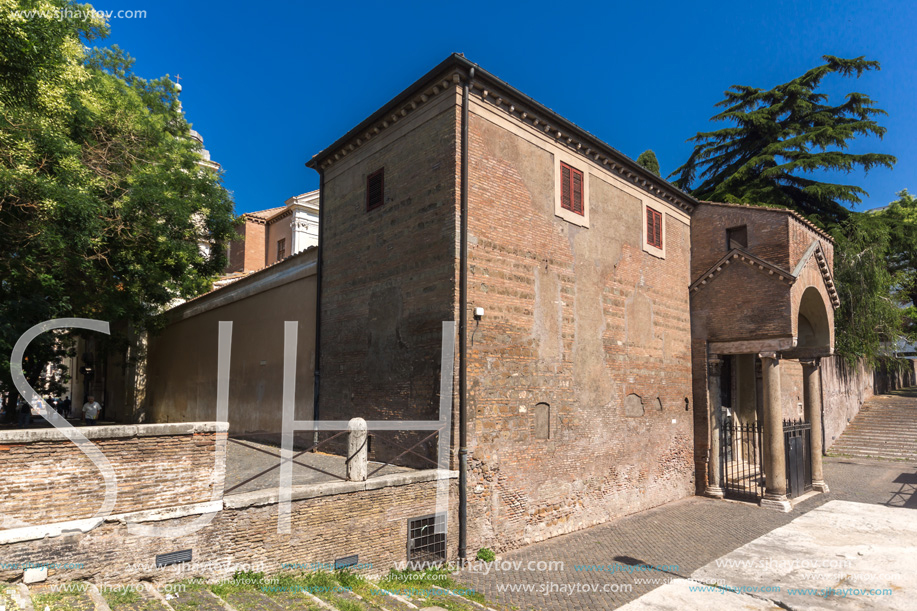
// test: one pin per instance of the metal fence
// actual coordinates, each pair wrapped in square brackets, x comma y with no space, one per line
[742,460]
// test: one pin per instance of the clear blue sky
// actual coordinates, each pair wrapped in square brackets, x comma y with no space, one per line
[269,84]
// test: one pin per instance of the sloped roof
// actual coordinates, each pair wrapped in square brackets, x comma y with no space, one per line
[737,255]
[265,214]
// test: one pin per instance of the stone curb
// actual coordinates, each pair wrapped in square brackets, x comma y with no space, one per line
[112,432]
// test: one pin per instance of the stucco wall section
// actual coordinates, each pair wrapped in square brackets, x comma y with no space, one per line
[182,362]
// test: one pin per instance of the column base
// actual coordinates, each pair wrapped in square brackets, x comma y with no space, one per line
[777,502]
[820,486]
[714,492]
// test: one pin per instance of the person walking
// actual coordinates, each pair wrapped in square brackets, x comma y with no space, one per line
[25,414]
[65,407]
[91,410]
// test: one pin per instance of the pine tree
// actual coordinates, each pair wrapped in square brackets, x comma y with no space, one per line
[648,160]
[778,137]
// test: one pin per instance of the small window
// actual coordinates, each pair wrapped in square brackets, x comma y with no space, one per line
[571,189]
[281,248]
[653,228]
[737,237]
[375,189]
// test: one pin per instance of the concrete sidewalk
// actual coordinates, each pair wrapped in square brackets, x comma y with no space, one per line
[608,566]
[841,555]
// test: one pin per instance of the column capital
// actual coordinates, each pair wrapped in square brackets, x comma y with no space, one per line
[714,365]
[769,355]
[814,363]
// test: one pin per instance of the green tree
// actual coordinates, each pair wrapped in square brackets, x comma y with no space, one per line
[778,136]
[104,205]
[869,317]
[648,160]
[901,218]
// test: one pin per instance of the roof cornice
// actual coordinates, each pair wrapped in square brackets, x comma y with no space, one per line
[497,93]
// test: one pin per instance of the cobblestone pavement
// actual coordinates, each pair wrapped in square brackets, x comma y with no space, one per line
[247,459]
[684,536]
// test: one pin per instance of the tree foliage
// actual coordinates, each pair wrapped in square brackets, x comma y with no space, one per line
[648,160]
[103,202]
[869,318]
[779,137]
[901,218]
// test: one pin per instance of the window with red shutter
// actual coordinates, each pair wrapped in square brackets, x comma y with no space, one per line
[375,189]
[571,189]
[653,228]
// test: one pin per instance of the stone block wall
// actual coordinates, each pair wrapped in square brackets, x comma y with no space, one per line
[47,479]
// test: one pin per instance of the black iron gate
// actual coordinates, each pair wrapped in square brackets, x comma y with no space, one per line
[742,460]
[796,437]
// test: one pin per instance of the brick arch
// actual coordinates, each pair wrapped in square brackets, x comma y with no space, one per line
[814,325]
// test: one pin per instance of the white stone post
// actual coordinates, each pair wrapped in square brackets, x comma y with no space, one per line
[357,465]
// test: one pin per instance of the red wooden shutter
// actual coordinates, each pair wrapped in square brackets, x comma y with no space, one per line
[571,189]
[653,228]
[577,192]
[566,201]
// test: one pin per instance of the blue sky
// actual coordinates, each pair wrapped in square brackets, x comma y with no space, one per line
[270,84]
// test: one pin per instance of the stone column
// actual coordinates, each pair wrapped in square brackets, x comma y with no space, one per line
[775,463]
[812,401]
[714,424]
[357,464]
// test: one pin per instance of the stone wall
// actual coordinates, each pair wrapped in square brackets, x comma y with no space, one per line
[328,521]
[47,479]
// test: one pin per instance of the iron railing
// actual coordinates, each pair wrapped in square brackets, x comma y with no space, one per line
[742,460]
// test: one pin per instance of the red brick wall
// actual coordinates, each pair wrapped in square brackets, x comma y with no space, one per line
[577,318]
[247,254]
[768,235]
[53,481]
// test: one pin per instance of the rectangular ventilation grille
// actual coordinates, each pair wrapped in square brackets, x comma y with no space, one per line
[424,543]
[173,558]
[346,561]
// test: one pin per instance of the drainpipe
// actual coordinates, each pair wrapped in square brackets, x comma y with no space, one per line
[318,299]
[463,332]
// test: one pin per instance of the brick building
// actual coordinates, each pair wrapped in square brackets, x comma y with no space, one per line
[590,284]
[271,235]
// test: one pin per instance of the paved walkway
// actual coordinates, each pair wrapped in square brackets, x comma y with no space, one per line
[682,537]
[841,555]
[254,466]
